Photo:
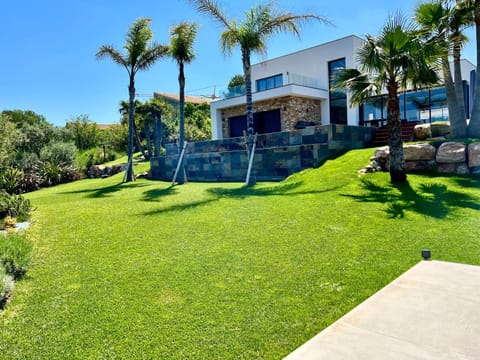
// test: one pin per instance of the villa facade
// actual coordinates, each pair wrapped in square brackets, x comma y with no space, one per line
[295,90]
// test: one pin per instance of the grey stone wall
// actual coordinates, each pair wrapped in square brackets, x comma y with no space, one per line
[277,155]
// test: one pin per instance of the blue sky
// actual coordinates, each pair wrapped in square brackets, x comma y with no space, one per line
[48,64]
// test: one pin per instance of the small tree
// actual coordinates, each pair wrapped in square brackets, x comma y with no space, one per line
[83,132]
[394,59]
[141,53]
[444,23]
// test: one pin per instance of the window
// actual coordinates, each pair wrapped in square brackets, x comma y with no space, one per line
[270,82]
[422,105]
[338,98]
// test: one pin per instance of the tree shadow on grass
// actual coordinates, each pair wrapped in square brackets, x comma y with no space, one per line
[180,207]
[218,193]
[469,182]
[433,200]
[156,194]
[286,189]
[107,190]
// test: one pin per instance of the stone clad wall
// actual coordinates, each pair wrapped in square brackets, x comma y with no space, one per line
[292,109]
[277,155]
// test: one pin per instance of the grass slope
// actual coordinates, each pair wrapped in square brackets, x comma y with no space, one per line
[217,271]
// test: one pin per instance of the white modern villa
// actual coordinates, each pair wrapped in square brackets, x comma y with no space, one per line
[294,90]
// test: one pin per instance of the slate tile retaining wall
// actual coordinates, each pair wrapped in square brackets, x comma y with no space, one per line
[277,155]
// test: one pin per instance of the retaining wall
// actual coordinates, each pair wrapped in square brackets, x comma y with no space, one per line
[277,155]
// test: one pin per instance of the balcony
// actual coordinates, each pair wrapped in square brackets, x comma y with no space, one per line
[291,82]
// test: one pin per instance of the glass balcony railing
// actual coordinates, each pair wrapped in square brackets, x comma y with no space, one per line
[288,79]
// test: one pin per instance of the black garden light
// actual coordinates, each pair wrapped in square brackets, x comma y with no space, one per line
[426,254]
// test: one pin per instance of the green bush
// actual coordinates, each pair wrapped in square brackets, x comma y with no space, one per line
[15,254]
[95,156]
[25,161]
[116,137]
[10,180]
[59,153]
[6,284]
[53,174]
[14,205]
[30,181]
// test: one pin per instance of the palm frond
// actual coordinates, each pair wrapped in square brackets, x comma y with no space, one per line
[229,39]
[182,37]
[154,52]
[212,8]
[138,37]
[360,85]
[109,51]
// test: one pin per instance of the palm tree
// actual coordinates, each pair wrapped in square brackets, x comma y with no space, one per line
[251,35]
[474,126]
[141,53]
[182,37]
[444,24]
[395,59]
[461,18]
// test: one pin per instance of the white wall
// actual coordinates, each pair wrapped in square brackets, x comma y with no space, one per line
[310,63]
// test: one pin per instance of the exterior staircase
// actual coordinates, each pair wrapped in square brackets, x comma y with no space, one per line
[381,136]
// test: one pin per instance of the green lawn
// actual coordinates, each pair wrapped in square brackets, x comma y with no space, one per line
[216,271]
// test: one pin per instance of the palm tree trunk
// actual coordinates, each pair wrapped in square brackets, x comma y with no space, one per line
[131,111]
[461,127]
[158,135]
[474,126]
[454,115]
[248,86]
[398,172]
[181,137]
[148,137]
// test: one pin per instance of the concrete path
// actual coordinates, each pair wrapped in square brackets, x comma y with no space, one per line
[430,312]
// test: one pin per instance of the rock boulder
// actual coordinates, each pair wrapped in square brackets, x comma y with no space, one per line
[419,152]
[451,152]
[422,131]
[474,154]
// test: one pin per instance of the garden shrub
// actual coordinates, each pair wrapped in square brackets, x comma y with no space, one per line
[59,153]
[95,156]
[6,284]
[30,181]
[10,180]
[53,174]
[50,173]
[14,205]
[10,222]
[15,254]
[25,161]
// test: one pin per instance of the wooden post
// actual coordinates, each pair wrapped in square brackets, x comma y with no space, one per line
[180,160]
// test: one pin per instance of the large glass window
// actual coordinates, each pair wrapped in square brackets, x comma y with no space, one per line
[270,82]
[338,97]
[422,105]
[439,108]
[375,108]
